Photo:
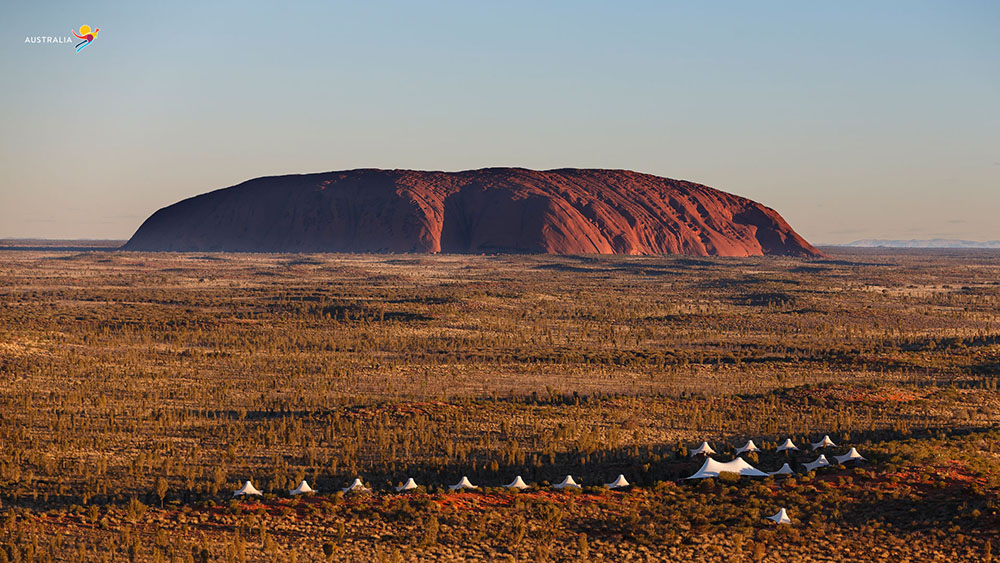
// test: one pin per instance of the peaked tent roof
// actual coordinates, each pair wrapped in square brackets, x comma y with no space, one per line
[826,441]
[852,455]
[357,486]
[618,483]
[463,484]
[247,489]
[408,485]
[821,461]
[781,517]
[704,448]
[517,483]
[567,482]
[785,470]
[302,489]
[787,445]
[748,447]
[712,468]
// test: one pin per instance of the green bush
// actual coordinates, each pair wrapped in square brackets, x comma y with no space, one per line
[729,478]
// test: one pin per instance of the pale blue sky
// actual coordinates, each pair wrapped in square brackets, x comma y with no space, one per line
[852,119]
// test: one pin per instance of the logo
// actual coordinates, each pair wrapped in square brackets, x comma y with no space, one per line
[37,39]
[87,35]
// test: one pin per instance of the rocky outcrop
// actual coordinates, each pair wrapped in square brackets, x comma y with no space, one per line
[493,210]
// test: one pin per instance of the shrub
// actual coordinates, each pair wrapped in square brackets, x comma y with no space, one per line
[729,477]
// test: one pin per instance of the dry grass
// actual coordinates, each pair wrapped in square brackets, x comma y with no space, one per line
[118,370]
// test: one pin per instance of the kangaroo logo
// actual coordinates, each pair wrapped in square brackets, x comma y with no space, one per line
[87,35]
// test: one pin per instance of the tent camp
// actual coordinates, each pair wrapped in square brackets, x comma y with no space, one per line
[712,468]
[302,489]
[785,470]
[356,486]
[618,483]
[826,441]
[408,485]
[781,517]
[852,455]
[787,445]
[821,461]
[463,484]
[704,448]
[247,489]
[748,447]
[517,483]
[567,482]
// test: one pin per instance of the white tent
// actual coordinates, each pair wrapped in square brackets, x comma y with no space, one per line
[356,486]
[785,470]
[247,489]
[787,445]
[408,485]
[826,441]
[517,483]
[463,484]
[704,448]
[781,517]
[618,483]
[852,455]
[302,489]
[567,482]
[821,461]
[712,468]
[748,447]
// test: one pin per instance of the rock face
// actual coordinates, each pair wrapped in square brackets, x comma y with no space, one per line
[493,210]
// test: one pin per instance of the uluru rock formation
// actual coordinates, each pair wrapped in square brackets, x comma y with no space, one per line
[493,210]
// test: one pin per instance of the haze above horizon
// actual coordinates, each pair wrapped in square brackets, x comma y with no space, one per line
[854,121]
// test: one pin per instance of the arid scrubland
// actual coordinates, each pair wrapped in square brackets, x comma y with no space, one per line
[138,391]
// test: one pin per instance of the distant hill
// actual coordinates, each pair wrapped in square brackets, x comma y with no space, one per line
[492,210]
[924,243]
[59,244]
